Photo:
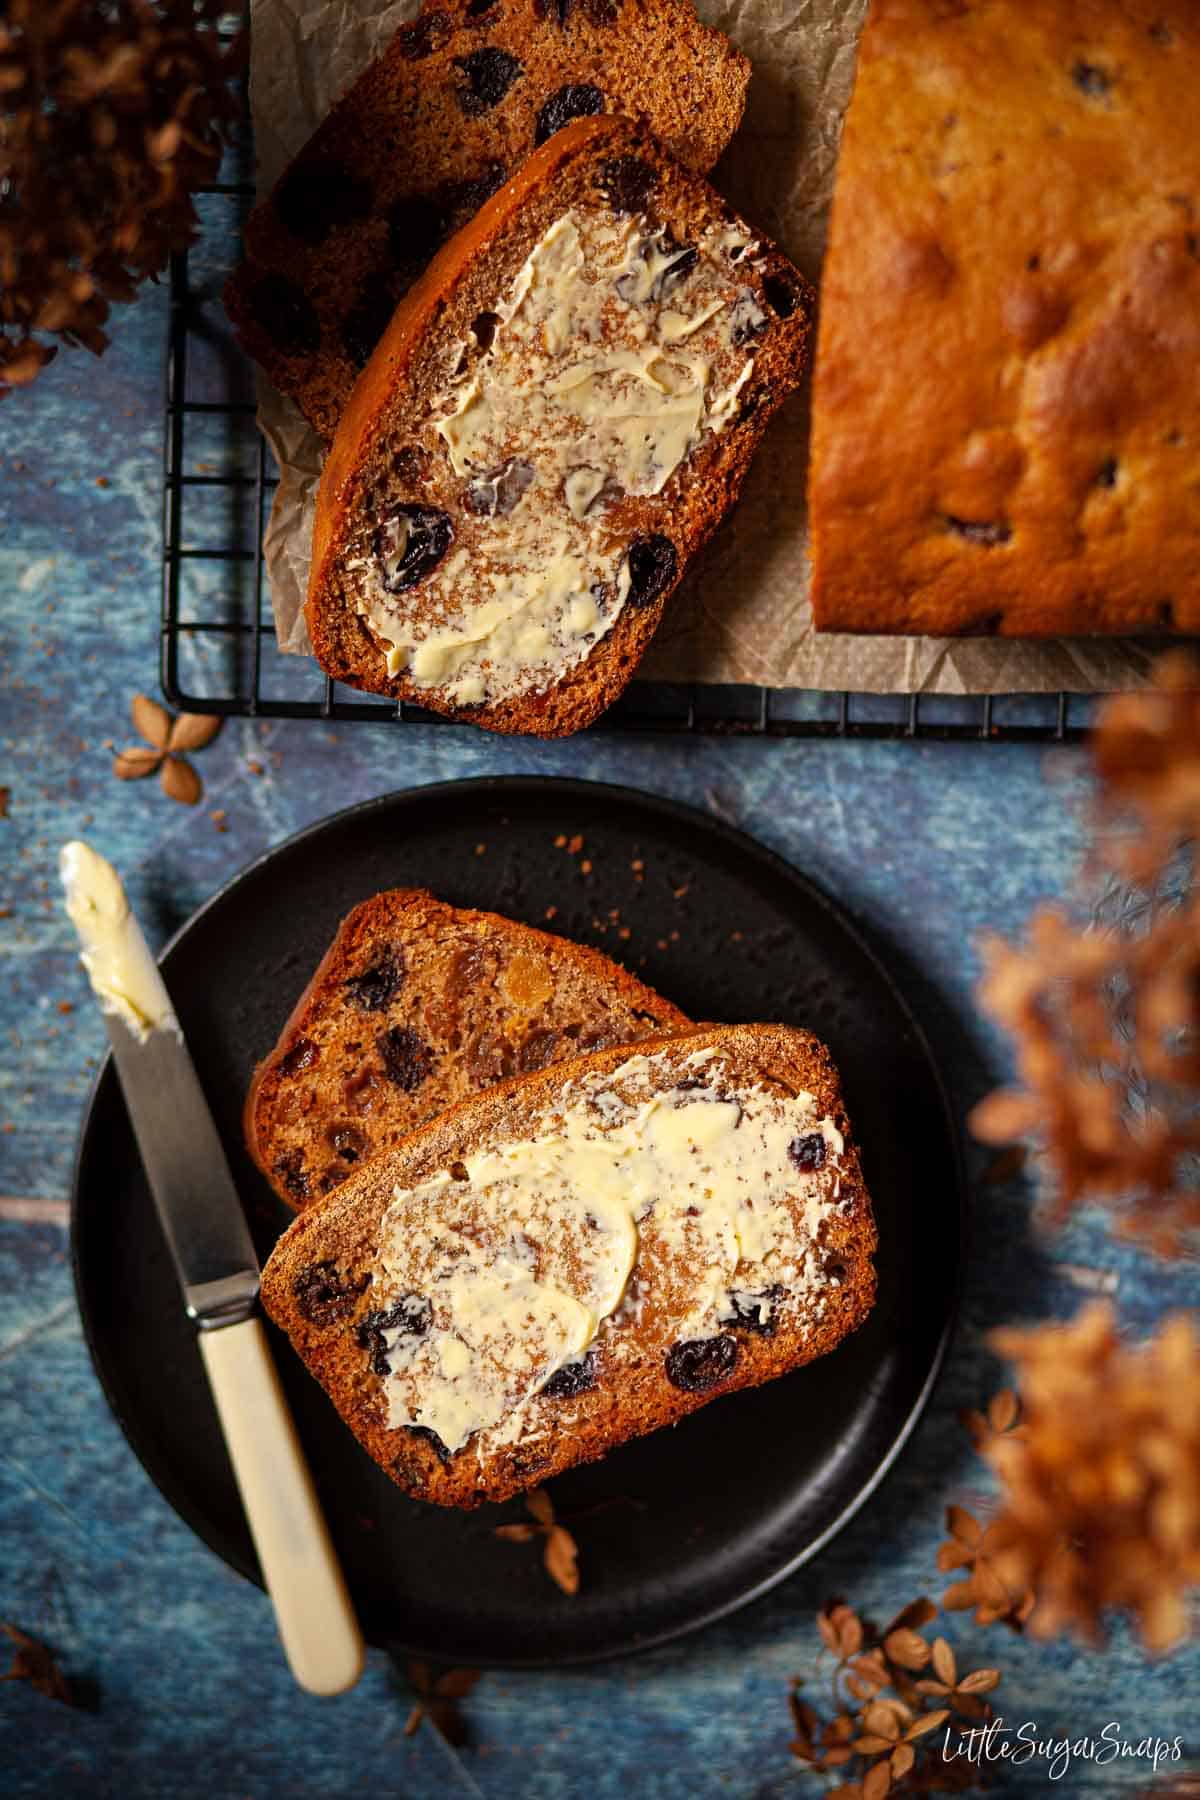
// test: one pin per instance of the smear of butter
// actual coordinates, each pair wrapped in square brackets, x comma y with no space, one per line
[612,357]
[526,1252]
[123,974]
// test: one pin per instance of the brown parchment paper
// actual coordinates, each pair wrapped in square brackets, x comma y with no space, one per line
[743,613]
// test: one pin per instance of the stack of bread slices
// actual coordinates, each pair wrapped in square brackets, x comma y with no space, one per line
[541,348]
[539,1211]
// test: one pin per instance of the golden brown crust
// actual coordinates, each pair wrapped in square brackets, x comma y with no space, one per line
[477,996]
[464,279]
[415,151]
[1006,411]
[314,1286]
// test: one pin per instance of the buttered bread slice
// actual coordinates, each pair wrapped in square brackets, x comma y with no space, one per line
[558,416]
[582,1255]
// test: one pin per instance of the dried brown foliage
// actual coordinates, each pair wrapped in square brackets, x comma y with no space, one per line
[110,117]
[439,1695]
[891,1692]
[166,740]
[33,1662]
[1100,1483]
[560,1553]
[1105,1012]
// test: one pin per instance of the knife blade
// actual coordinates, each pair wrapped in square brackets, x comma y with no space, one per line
[217,1269]
[183,1156]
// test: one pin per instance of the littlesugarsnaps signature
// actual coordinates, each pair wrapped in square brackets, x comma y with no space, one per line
[1026,1743]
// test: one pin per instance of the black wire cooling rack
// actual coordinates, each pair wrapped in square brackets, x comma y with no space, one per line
[219,652]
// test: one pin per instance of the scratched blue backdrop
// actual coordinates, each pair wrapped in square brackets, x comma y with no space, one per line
[928,844]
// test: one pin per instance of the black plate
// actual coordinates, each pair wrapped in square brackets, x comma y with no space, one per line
[682,1526]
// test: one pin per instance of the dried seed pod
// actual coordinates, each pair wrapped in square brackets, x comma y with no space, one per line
[180,781]
[192,731]
[136,761]
[150,720]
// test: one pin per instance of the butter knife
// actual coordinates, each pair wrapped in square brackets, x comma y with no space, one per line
[218,1272]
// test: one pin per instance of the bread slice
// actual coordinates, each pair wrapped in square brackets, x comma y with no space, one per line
[555,420]
[437,123]
[582,1255]
[414,1006]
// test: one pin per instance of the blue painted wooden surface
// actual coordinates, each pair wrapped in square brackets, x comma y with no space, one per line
[927,844]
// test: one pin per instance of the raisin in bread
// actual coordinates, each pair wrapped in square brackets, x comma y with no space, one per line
[426,134]
[414,1006]
[581,1256]
[556,419]
[1006,410]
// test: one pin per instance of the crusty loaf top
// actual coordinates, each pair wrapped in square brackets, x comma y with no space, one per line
[456,102]
[1006,408]
[415,1005]
[557,417]
[582,1255]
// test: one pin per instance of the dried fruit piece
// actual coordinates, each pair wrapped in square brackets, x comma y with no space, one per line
[407,1059]
[284,312]
[291,1171]
[701,1363]
[578,100]
[627,183]
[302,1055]
[577,1377]
[410,544]
[324,1296]
[318,194]
[808,1152]
[349,1141]
[747,320]
[418,225]
[653,564]
[756,1312]
[488,74]
[411,1316]
[500,489]
[538,1050]
[469,196]
[376,987]
[423,35]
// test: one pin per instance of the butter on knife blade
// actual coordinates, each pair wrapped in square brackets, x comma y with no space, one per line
[215,1261]
[123,974]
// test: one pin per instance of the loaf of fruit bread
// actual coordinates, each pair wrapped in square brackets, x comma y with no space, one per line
[454,105]
[557,417]
[1006,404]
[582,1255]
[415,1005]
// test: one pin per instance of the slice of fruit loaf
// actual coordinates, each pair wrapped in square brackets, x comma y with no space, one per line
[557,417]
[582,1255]
[453,106]
[414,1006]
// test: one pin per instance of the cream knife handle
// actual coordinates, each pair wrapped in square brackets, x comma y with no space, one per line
[320,1633]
